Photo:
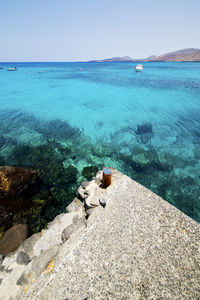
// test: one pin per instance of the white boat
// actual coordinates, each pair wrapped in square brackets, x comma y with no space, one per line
[139,68]
[12,69]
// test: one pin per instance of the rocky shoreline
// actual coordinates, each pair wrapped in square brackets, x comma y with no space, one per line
[39,254]
[120,242]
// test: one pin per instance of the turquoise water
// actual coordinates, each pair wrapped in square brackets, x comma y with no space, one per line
[145,124]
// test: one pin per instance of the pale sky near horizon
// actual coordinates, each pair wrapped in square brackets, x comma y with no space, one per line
[79,30]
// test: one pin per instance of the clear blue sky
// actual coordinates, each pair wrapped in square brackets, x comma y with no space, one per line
[74,30]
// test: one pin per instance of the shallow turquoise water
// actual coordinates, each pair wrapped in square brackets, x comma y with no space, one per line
[86,94]
[156,111]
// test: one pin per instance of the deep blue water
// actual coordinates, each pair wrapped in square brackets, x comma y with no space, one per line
[145,124]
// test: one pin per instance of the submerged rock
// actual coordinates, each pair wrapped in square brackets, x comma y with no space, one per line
[14,237]
[144,129]
[89,172]
[16,185]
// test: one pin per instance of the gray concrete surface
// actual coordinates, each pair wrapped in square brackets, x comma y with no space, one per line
[138,247]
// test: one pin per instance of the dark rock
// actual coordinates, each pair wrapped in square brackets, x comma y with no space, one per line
[144,129]
[1,279]
[13,238]
[22,280]
[58,129]
[89,172]
[22,258]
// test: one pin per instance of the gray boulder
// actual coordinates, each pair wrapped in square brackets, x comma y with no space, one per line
[22,258]
[22,280]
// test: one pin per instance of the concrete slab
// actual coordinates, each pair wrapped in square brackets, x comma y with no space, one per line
[139,247]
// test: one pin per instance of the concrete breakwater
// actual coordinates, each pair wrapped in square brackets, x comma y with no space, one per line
[123,242]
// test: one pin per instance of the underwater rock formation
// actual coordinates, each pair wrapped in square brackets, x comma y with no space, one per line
[144,129]
[57,151]
[89,172]
[16,186]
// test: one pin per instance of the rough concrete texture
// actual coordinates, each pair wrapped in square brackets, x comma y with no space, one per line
[139,247]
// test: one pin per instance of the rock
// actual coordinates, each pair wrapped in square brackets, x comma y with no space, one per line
[40,262]
[13,238]
[144,129]
[92,190]
[85,184]
[75,205]
[69,230]
[102,202]
[1,259]
[1,279]
[29,243]
[82,192]
[22,258]
[22,280]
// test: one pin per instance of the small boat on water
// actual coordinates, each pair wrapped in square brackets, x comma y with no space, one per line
[139,68]
[12,69]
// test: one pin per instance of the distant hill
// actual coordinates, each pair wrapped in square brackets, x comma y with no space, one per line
[190,54]
[123,58]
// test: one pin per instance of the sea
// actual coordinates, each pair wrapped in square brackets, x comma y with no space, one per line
[146,124]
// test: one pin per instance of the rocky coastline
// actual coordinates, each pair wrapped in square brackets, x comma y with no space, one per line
[119,242]
[41,252]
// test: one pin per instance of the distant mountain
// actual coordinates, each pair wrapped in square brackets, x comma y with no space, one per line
[190,54]
[123,58]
